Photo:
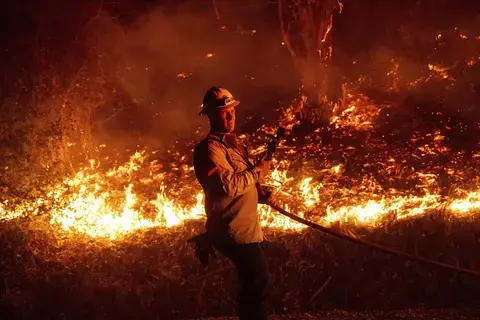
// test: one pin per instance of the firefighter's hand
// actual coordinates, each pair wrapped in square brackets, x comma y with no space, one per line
[272,201]
[263,166]
[264,193]
[266,196]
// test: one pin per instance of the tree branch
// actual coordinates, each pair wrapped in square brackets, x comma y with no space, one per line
[216,9]
[284,32]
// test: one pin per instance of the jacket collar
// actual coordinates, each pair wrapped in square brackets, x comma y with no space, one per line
[230,141]
[224,137]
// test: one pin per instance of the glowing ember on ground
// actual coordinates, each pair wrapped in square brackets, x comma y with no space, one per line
[183,75]
[441,71]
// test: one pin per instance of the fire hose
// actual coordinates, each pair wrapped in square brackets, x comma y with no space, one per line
[372,245]
[272,144]
[204,249]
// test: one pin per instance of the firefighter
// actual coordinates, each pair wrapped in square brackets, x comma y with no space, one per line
[231,182]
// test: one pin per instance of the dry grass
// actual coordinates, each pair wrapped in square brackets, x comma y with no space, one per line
[153,275]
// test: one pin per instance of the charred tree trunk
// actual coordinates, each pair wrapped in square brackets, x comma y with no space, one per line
[306,31]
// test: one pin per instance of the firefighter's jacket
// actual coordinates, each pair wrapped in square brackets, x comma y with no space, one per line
[229,180]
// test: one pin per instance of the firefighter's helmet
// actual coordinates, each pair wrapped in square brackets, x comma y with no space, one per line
[218,98]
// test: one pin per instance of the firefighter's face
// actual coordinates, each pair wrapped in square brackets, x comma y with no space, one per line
[223,120]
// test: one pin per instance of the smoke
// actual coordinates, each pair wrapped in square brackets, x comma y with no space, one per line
[428,49]
[159,68]
[155,70]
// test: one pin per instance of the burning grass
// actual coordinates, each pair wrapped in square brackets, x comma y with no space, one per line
[152,273]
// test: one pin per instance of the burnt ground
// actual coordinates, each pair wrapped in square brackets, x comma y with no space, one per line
[446,314]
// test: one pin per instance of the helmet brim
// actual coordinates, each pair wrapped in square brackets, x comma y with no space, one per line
[231,104]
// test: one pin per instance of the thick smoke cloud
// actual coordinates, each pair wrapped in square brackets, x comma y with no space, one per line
[160,66]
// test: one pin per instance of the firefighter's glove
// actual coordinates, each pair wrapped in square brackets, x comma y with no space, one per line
[203,248]
[264,194]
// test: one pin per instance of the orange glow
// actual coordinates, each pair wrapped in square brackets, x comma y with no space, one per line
[109,202]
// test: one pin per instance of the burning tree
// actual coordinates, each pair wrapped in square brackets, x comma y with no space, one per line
[306,31]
